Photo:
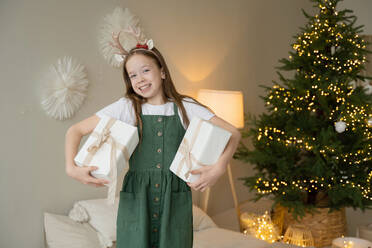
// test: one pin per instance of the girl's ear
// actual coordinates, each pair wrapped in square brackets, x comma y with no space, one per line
[162,73]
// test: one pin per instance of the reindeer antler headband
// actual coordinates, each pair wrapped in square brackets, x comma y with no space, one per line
[136,33]
[120,32]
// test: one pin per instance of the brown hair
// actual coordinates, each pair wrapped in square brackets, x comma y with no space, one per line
[168,88]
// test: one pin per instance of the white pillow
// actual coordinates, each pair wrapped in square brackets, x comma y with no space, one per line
[201,220]
[62,232]
[102,217]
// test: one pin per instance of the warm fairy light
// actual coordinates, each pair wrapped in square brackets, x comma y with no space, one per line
[263,228]
[329,98]
[298,235]
[367,191]
[348,244]
[281,186]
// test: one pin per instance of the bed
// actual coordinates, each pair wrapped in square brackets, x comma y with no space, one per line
[91,224]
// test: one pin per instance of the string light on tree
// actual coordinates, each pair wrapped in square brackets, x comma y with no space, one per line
[316,137]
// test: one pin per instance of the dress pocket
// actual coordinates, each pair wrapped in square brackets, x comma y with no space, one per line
[128,210]
[181,210]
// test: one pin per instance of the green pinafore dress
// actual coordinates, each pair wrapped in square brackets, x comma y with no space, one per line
[155,206]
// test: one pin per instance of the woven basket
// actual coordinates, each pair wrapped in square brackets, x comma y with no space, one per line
[324,225]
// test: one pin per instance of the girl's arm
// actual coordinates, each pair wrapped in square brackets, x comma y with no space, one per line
[72,141]
[210,174]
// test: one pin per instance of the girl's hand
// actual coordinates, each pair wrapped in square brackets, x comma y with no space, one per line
[208,176]
[82,174]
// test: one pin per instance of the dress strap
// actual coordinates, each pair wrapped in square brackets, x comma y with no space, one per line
[177,116]
[175,109]
[140,111]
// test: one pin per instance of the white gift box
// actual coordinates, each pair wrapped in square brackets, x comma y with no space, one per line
[202,145]
[108,147]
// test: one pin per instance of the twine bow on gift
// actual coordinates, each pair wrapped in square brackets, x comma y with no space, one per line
[101,138]
[185,149]
[188,157]
[105,137]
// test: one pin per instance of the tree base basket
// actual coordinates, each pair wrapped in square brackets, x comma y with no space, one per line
[325,226]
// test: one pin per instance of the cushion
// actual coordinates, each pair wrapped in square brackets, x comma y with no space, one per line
[201,220]
[62,232]
[102,217]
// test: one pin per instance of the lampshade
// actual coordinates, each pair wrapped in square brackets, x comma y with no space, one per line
[227,105]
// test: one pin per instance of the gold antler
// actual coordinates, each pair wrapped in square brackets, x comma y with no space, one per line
[135,32]
[117,43]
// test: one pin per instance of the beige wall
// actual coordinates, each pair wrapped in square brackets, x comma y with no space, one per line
[229,45]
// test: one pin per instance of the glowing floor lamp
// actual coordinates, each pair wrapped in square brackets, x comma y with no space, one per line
[227,105]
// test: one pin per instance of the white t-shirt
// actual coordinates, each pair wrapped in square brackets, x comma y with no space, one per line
[123,110]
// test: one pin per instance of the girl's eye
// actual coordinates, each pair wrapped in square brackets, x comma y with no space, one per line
[133,75]
[146,70]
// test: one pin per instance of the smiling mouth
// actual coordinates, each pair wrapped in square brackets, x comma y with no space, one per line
[144,87]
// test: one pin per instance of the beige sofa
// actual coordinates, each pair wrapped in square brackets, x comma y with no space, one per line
[91,223]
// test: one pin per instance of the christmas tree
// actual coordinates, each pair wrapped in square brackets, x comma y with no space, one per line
[313,146]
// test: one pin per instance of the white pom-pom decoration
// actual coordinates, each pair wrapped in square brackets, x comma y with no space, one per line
[367,86]
[369,122]
[119,20]
[340,126]
[333,50]
[65,88]
[352,84]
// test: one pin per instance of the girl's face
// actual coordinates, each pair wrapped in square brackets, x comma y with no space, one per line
[146,78]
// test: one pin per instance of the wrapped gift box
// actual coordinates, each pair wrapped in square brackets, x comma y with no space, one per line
[108,147]
[202,145]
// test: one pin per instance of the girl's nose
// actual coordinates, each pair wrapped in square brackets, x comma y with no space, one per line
[140,78]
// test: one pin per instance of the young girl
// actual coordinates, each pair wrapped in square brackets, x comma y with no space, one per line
[155,206]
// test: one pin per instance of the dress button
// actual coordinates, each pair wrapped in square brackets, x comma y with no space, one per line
[159,150]
[158,166]
[160,133]
[156,199]
[155,215]
[156,185]
[160,119]
[155,230]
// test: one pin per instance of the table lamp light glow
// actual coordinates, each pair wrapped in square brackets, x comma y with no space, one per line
[227,105]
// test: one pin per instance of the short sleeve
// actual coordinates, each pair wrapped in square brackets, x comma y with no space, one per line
[121,110]
[194,109]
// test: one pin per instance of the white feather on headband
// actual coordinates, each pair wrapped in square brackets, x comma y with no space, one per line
[65,89]
[114,23]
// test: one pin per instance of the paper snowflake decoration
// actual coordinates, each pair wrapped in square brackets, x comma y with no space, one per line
[115,22]
[65,88]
